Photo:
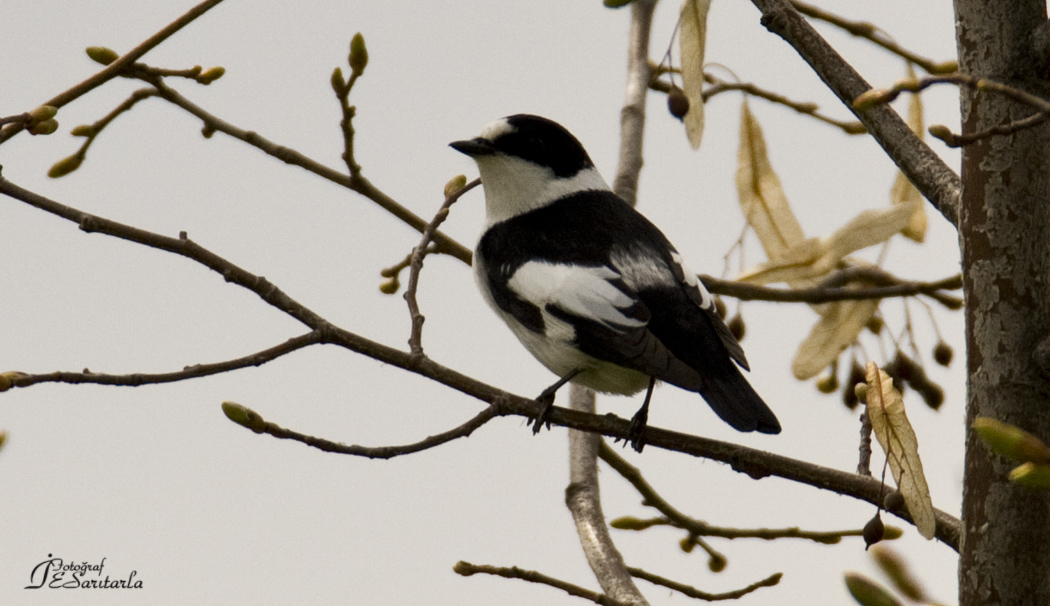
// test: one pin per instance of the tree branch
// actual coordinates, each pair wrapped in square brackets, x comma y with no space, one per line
[190,372]
[247,417]
[937,182]
[467,569]
[117,67]
[415,339]
[827,293]
[360,184]
[872,33]
[693,592]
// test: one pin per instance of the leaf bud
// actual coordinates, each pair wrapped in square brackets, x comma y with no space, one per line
[616,3]
[101,54]
[1011,441]
[1031,475]
[338,83]
[244,416]
[211,75]
[390,286]
[7,379]
[687,544]
[42,113]
[44,128]
[677,103]
[868,592]
[861,391]
[455,184]
[65,166]
[358,54]
[83,130]
[717,562]
[940,131]
[897,570]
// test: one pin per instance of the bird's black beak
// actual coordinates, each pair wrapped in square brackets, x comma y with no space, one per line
[473,147]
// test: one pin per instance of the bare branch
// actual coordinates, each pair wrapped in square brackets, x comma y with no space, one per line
[254,421]
[1042,106]
[190,372]
[871,32]
[826,293]
[809,109]
[467,569]
[937,182]
[693,592]
[415,340]
[358,184]
[117,67]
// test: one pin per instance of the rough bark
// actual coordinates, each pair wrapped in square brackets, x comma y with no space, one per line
[1004,232]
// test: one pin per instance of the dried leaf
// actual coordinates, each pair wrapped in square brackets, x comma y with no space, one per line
[762,199]
[692,38]
[903,192]
[815,258]
[897,438]
[839,325]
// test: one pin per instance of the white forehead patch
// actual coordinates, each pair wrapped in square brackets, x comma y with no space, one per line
[496,130]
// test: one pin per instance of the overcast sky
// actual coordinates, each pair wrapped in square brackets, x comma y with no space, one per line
[156,480]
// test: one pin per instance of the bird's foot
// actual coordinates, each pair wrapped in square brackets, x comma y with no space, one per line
[546,399]
[636,430]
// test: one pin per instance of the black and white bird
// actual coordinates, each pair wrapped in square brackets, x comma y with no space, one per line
[590,287]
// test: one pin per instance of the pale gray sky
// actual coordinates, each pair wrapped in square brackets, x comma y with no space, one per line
[156,480]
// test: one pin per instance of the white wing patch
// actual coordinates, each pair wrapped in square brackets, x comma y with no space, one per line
[691,281]
[585,292]
[640,269]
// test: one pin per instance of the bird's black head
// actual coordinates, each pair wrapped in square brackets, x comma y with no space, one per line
[533,138]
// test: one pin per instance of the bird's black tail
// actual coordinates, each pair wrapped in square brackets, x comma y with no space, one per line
[736,402]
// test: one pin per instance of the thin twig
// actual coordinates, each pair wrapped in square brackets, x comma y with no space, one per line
[117,67]
[851,127]
[864,461]
[467,569]
[260,425]
[916,85]
[719,86]
[360,185]
[870,32]
[755,463]
[190,372]
[693,592]
[415,339]
[696,527]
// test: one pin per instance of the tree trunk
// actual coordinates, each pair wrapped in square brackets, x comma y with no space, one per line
[1004,233]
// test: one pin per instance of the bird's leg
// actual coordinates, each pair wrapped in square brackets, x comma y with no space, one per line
[547,400]
[636,431]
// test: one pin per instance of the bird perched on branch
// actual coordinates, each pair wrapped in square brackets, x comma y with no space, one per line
[590,287]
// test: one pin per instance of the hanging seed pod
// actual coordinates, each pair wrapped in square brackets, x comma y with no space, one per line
[942,353]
